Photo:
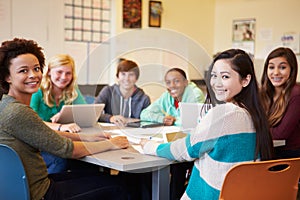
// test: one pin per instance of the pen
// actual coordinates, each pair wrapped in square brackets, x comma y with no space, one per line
[153,137]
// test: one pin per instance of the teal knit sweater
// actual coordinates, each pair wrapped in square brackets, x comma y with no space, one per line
[224,138]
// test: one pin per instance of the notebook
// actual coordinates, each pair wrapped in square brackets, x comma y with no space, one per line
[170,137]
[85,115]
[191,113]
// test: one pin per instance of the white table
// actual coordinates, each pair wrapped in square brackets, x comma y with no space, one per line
[130,160]
[134,162]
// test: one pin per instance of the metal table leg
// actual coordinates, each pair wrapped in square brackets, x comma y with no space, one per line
[161,183]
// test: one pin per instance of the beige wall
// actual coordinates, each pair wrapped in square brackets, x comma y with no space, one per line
[272,16]
[273,19]
[192,19]
[207,22]
[195,18]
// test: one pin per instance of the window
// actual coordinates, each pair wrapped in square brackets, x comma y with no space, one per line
[87,20]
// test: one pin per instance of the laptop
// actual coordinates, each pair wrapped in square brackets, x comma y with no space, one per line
[191,113]
[85,115]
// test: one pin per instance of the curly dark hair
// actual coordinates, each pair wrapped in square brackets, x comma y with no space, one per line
[13,48]
[176,69]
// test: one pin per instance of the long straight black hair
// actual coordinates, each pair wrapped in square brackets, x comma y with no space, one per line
[248,99]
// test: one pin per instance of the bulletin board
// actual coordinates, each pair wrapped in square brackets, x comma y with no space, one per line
[292,41]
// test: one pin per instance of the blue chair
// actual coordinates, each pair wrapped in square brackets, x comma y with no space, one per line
[89,99]
[13,181]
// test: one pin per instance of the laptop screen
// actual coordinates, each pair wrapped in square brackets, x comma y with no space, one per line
[191,113]
[85,115]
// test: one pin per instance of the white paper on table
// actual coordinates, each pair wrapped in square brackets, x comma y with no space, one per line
[155,133]
[134,135]
[138,148]
[107,124]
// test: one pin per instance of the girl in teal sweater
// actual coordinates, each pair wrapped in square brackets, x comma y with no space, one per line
[234,131]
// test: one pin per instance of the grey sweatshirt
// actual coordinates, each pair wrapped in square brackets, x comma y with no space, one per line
[115,104]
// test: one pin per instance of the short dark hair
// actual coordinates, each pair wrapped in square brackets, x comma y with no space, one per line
[13,48]
[128,65]
[175,69]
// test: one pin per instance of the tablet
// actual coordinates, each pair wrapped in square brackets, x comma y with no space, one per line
[143,124]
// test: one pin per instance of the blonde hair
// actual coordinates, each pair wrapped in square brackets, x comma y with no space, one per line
[69,93]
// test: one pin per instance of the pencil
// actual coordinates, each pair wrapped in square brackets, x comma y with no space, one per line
[164,112]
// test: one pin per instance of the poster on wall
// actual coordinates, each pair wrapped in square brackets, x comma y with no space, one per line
[243,35]
[155,11]
[132,13]
[292,41]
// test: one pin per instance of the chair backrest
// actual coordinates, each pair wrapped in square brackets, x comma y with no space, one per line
[13,181]
[261,180]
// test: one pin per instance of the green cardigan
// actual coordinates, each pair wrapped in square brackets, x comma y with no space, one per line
[156,111]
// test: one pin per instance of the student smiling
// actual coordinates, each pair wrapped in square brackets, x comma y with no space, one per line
[21,65]
[165,109]
[58,88]
[123,100]
[235,130]
[281,98]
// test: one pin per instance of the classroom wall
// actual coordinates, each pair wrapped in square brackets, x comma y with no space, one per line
[184,40]
[193,18]
[43,21]
[273,19]
[34,19]
[188,27]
